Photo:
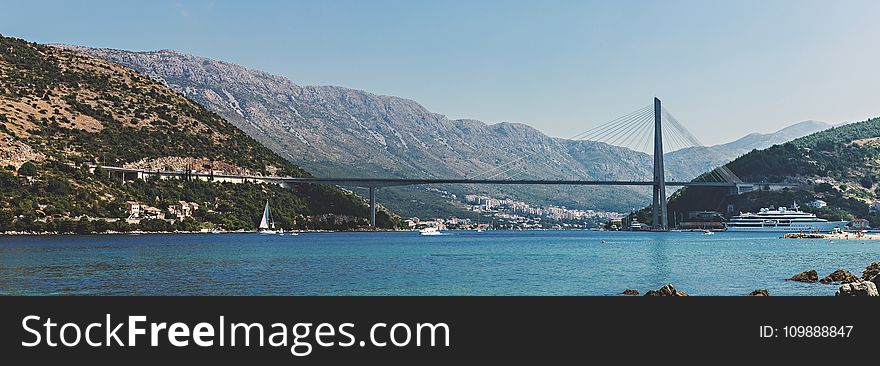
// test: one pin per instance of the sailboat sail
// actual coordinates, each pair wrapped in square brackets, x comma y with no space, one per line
[264,223]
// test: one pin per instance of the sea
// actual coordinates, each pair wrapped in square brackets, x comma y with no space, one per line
[458,263]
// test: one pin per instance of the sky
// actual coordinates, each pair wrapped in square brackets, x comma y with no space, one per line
[723,68]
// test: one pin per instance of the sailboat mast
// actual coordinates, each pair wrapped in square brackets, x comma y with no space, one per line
[264,223]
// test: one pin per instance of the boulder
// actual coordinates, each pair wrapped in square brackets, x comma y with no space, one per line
[871,270]
[630,292]
[760,292]
[805,276]
[872,273]
[863,288]
[841,276]
[666,290]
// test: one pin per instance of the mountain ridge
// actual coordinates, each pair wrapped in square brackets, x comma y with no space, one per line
[782,135]
[65,114]
[332,130]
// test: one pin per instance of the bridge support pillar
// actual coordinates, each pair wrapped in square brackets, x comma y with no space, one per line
[660,221]
[373,206]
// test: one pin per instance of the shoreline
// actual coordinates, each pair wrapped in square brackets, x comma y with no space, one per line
[140,232]
[837,236]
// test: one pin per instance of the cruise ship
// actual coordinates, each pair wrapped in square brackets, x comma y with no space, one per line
[782,220]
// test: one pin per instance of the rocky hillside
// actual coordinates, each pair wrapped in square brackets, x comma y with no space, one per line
[335,131]
[840,165]
[62,112]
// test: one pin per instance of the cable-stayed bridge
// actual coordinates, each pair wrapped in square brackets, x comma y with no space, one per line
[651,129]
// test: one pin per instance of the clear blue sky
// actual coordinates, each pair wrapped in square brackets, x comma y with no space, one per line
[723,68]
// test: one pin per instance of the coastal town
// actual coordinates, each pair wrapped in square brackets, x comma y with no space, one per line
[489,213]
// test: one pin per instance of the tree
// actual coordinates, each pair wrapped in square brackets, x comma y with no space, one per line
[6,218]
[824,187]
[101,174]
[57,187]
[27,169]
[8,181]
[155,225]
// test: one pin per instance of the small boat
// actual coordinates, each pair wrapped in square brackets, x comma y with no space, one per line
[707,232]
[430,231]
[267,226]
[635,225]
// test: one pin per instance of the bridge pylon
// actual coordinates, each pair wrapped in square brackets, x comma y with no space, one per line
[658,208]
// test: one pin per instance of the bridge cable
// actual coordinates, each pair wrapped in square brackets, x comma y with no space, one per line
[577,136]
[723,172]
[610,123]
[626,139]
[615,138]
[630,139]
[600,136]
[678,135]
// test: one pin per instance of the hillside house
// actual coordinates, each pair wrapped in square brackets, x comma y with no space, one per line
[183,209]
[133,209]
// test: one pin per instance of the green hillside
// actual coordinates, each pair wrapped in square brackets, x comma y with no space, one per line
[840,164]
[62,112]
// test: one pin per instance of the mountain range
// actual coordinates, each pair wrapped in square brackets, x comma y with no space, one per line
[693,161]
[337,131]
[64,116]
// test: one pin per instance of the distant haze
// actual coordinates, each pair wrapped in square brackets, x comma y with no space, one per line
[724,69]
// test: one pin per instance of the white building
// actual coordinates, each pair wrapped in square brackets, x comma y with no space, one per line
[133,209]
[183,209]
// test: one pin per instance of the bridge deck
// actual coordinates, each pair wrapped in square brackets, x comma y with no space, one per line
[374,183]
[389,182]
[386,182]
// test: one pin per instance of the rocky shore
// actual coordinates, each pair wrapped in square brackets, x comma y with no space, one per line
[837,236]
[849,284]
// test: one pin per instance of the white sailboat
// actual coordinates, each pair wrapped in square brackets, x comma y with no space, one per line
[267,226]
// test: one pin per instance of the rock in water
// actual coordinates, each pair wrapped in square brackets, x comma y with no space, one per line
[760,292]
[864,288]
[630,292]
[806,276]
[841,276]
[666,290]
[872,273]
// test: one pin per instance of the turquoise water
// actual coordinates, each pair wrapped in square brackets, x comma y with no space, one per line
[405,263]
